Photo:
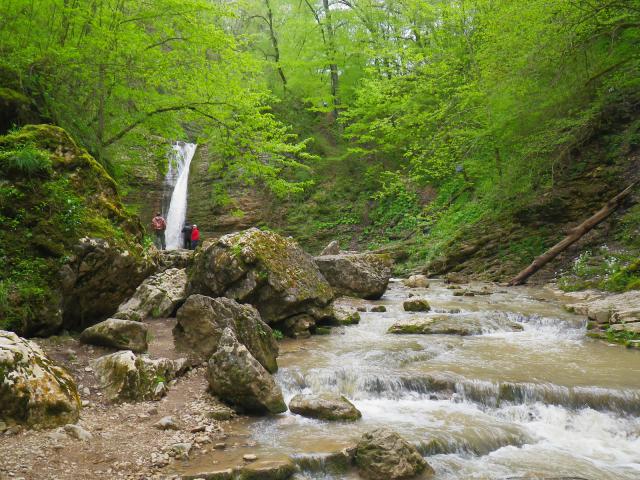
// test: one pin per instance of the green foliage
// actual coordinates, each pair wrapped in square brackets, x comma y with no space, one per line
[25,160]
[277,334]
[605,270]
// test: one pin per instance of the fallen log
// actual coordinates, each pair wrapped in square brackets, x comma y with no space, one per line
[575,235]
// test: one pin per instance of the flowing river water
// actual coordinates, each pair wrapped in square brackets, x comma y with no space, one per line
[541,402]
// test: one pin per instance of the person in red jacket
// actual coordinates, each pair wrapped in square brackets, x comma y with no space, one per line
[159,225]
[195,237]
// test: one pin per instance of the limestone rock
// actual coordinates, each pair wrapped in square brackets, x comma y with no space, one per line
[416,304]
[325,406]
[456,277]
[77,432]
[117,333]
[268,470]
[615,309]
[174,259]
[201,321]
[384,455]
[362,275]
[97,278]
[237,378]
[454,325]
[379,309]
[332,249]
[261,268]
[298,326]
[343,315]
[158,296]
[417,281]
[125,376]
[33,390]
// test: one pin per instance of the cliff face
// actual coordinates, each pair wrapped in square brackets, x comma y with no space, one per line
[219,208]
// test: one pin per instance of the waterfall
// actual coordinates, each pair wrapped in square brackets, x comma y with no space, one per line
[176,181]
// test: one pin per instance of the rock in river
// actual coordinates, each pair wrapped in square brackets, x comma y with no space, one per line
[33,390]
[382,454]
[362,275]
[325,406]
[416,304]
[417,281]
[201,321]
[466,324]
[238,379]
[117,333]
[264,269]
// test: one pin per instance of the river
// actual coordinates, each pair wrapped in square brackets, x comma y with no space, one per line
[541,402]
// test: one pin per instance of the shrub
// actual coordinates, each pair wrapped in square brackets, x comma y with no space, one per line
[27,160]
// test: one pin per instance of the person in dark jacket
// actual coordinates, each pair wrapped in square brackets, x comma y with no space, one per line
[186,235]
[195,236]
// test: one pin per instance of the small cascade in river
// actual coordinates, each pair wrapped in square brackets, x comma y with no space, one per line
[176,181]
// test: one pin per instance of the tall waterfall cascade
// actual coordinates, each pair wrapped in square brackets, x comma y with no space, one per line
[177,181]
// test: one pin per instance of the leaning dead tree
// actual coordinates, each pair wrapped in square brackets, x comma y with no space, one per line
[575,235]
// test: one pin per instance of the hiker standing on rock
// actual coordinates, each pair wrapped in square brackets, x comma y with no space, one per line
[159,225]
[195,236]
[186,235]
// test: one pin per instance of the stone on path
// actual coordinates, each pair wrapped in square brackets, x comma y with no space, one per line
[117,333]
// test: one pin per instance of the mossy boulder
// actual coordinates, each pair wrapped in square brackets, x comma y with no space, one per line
[15,107]
[202,320]
[238,379]
[416,304]
[362,275]
[324,406]
[125,376]
[33,390]
[263,269]
[382,454]
[54,199]
[117,333]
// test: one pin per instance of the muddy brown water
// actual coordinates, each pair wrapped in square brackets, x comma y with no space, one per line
[542,402]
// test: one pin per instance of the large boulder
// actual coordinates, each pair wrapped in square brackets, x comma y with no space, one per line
[158,296]
[382,454]
[261,268]
[362,275]
[202,320]
[238,379]
[97,278]
[117,333]
[33,390]
[417,281]
[612,309]
[324,406]
[126,376]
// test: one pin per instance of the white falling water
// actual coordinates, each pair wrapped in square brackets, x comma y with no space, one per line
[177,178]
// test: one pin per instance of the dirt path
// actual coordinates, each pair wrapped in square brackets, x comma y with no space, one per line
[125,443]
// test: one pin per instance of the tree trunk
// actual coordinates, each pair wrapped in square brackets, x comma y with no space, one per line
[575,235]
[333,67]
[274,44]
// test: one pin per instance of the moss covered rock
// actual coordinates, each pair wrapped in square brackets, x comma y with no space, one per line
[33,390]
[264,269]
[55,198]
[362,275]
[416,304]
[465,324]
[202,320]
